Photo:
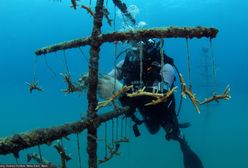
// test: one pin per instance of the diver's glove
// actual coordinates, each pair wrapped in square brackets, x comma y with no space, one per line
[107,85]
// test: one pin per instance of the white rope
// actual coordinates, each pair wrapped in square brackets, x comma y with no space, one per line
[126,125]
[84,56]
[34,68]
[40,153]
[141,64]
[188,60]
[115,54]
[161,45]
[117,128]
[66,64]
[113,126]
[49,67]
[105,139]
[122,125]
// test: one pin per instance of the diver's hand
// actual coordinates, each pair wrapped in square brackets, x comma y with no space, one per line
[107,85]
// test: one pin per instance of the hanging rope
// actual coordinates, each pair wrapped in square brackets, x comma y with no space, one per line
[67,68]
[78,149]
[122,125]
[141,64]
[115,17]
[130,127]
[213,62]
[106,140]
[126,125]
[40,153]
[115,67]
[34,68]
[49,67]
[61,63]
[112,138]
[188,60]
[84,56]
[117,128]
[115,52]
[161,45]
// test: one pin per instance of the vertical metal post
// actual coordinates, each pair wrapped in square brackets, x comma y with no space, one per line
[93,80]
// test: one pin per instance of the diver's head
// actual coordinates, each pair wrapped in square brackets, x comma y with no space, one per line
[150,46]
[145,43]
[149,43]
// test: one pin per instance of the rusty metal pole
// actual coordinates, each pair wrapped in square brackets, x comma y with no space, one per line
[18,142]
[93,80]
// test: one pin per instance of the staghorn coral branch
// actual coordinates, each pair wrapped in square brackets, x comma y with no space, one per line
[160,97]
[88,9]
[74,4]
[106,15]
[163,32]
[18,142]
[193,99]
[112,152]
[36,157]
[163,98]
[70,86]
[226,96]
[124,89]
[189,93]
[34,86]
[142,92]
[63,156]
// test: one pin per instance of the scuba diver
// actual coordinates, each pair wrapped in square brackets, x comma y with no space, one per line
[147,70]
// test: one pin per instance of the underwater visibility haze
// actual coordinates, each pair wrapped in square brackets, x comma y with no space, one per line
[218,134]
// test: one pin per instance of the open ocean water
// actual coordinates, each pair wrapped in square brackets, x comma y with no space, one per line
[218,135]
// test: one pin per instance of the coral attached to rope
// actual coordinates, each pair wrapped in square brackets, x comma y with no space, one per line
[34,86]
[70,86]
[124,89]
[188,92]
[160,97]
[225,95]
[88,9]
[112,152]
[163,98]
[36,157]
[63,156]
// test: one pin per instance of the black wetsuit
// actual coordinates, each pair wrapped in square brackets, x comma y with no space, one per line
[154,116]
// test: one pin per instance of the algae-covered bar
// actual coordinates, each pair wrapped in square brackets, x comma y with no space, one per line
[18,142]
[163,32]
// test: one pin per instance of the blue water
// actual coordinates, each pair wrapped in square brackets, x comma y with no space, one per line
[218,135]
